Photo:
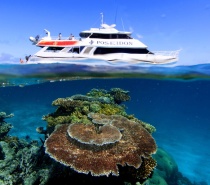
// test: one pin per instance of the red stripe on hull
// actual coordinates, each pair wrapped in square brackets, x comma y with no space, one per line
[57,42]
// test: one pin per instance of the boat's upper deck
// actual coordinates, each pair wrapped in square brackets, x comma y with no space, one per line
[105,36]
[105,32]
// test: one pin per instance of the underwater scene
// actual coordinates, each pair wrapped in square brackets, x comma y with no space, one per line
[70,124]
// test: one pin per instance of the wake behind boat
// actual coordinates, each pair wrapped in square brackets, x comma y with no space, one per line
[103,46]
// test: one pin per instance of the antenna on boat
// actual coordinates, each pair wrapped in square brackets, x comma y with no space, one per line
[102,18]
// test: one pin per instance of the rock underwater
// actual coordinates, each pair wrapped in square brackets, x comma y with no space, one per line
[100,141]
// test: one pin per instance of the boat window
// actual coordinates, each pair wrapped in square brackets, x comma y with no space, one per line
[110,36]
[120,36]
[113,36]
[81,48]
[87,50]
[55,49]
[100,50]
[84,35]
[76,49]
[101,36]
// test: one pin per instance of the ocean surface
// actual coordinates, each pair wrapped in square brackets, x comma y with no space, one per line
[174,99]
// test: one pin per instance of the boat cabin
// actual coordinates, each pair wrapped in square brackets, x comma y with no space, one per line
[104,36]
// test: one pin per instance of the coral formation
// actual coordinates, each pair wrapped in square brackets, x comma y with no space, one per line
[75,109]
[20,160]
[20,164]
[156,180]
[4,127]
[111,109]
[166,172]
[92,134]
[150,128]
[96,127]
[91,99]
[167,167]
[99,93]
[102,159]
[88,134]
[120,95]
[147,167]
[3,116]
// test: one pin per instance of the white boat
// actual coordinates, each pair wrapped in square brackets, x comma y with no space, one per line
[104,45]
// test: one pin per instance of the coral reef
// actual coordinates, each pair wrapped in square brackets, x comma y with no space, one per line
[4,127]
[97,126]
[120,95]
[20,161]
[88,134]
[167,167]
[111,109]
[80,140]
[115,95]
[91,134]
[75,109]
[147,167]
[20,164]
[91,99]
[101,158]
[166,172]
[3,116]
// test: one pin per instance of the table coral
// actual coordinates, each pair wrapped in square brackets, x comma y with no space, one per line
[88,134]
[67,103]
[136,143]
[91,99]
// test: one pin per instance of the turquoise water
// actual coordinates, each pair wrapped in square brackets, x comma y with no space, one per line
[173,99]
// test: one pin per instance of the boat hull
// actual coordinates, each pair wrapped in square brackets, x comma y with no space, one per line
[108,59]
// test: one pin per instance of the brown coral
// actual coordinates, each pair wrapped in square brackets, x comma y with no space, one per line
[146,168]
[88,134]
[134,144]
[100,119]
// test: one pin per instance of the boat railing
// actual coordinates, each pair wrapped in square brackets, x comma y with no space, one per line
[174,54]
[57,38]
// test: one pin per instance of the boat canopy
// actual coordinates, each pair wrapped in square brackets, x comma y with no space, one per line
[105,29]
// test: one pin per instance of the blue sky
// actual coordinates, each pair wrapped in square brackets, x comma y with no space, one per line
[160,24]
